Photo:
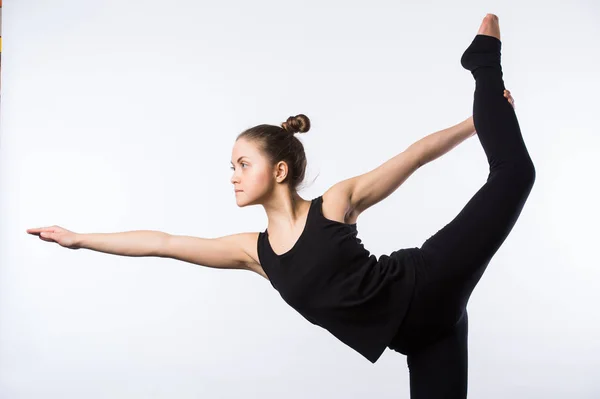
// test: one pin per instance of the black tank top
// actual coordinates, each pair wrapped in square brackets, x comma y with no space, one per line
[334,282]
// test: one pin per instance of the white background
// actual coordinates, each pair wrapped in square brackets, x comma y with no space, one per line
[121,115]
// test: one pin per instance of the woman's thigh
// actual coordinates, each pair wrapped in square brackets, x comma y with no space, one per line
[435,309]
[460,252]
[440,369]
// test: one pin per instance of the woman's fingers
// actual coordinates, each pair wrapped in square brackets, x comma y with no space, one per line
[38,230]
[44,233]
[511,100]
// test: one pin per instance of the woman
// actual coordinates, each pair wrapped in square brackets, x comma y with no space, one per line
[413,300]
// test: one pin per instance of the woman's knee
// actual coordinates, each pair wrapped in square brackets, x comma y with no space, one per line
[521,171]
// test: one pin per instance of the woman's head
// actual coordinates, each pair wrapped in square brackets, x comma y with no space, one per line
[267,158]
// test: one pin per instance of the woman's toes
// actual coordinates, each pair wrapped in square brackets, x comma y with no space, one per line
[490,26]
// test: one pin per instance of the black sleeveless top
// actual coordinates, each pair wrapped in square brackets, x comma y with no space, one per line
[334,282]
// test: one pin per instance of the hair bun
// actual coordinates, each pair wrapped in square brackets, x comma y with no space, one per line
[294,124]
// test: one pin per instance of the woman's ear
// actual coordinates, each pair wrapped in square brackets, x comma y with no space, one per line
[281,171]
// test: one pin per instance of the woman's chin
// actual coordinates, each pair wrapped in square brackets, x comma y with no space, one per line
[239,200]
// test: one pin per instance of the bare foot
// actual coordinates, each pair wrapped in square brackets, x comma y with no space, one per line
[490,26]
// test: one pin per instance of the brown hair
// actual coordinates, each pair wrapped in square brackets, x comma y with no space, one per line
[278,143]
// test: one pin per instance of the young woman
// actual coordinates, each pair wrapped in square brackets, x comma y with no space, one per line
[413,300]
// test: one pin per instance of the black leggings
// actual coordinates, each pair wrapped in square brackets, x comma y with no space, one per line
[434,332]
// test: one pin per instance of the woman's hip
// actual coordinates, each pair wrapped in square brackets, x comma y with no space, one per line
[436,307]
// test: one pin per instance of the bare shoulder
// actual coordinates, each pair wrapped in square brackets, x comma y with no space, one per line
[336,207]
[337,202]
[248,241]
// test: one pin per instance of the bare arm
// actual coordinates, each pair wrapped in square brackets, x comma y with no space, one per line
[370,188]
[437,144]
[222,252]
[227,252]
[128,243]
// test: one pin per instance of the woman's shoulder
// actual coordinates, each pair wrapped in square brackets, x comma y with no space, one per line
[336,205]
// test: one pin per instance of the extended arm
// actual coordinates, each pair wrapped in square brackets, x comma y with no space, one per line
[437,144]
[227,252]
[369,188]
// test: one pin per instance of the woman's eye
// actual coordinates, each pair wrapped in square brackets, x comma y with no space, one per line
[232,168]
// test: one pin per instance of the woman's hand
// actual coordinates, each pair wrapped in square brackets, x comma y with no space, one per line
[63,237]
[509,97]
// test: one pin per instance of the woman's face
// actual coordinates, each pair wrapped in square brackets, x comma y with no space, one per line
[251,173]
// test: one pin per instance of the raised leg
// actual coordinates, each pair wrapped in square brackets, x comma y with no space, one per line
[459,253]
